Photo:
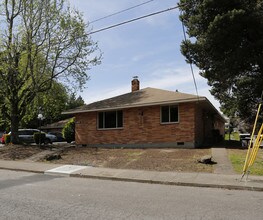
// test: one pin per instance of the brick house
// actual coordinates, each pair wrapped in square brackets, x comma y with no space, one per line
[148,118]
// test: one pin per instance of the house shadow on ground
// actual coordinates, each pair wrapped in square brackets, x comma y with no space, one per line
[230,144]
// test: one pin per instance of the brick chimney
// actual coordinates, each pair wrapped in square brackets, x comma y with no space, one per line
[135,84]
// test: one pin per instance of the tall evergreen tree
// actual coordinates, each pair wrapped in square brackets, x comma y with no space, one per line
[226,44]
[74,102]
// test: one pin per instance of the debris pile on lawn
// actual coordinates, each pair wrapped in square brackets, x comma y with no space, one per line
[207,159]
[53,157]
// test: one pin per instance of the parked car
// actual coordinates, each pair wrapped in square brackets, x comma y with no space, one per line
[27,135]
[2,139]
[58,135]
[245,139]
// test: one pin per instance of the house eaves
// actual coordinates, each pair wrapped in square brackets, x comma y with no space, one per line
[143,98]
[137,105]
[215,110]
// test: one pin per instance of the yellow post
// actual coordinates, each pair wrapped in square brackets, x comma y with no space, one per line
[256,147]
[250,142]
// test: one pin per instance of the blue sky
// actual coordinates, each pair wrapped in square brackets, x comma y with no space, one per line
[148,48]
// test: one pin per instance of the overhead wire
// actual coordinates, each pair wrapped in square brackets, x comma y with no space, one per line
[124,10]
[191,64]
[135,19]
[145,16]
[142,17]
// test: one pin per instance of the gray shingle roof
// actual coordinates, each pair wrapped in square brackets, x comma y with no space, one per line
[143,97]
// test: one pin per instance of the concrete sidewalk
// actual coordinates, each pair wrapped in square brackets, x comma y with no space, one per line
[212,180]
[223,164]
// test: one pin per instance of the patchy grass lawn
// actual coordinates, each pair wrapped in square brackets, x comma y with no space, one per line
[180,160]
[238,156]
[18,152]
[233,136]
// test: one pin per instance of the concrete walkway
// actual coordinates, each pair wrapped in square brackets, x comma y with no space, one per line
[41,155]
[223,165]
[212,180]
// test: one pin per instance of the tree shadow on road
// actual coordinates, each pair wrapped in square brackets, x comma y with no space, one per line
[29,179]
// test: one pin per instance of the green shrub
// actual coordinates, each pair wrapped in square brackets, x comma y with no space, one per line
[68,131]
[39,137]
[7,138]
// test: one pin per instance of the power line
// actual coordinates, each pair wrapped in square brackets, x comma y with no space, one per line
[135,19]
[191,64]
[127,9]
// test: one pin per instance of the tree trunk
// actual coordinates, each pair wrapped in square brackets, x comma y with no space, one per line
[14,124]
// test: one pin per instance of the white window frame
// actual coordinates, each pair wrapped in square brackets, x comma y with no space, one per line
[173,122]
[98,122]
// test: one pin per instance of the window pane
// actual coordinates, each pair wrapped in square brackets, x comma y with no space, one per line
[165,114]
[119,119]
[110,119]
[28,132]
[173,113]
[100,119]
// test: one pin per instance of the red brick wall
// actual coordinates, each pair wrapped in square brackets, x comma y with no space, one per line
[138,129]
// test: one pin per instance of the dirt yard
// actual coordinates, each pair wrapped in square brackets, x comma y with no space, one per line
[18,152]
[181,160]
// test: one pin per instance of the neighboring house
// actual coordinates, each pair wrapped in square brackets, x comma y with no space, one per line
[55,127]
[148,118]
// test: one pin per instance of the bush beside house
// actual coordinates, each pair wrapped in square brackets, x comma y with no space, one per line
[69,131]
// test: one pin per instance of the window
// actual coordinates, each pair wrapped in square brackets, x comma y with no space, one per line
[169,114]
[111,119]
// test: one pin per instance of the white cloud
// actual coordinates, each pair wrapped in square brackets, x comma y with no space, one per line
[143,56]
[169,78]
[149,47]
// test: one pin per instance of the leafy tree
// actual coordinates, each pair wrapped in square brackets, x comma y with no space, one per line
[74,102]
[4,122]
[50,104]
[40,41]
[226,44]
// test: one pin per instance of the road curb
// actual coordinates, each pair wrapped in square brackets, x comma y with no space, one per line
[178,183]
[203,185]
[22,170]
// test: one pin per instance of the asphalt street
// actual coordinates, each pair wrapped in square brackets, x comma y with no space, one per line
[37,196]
